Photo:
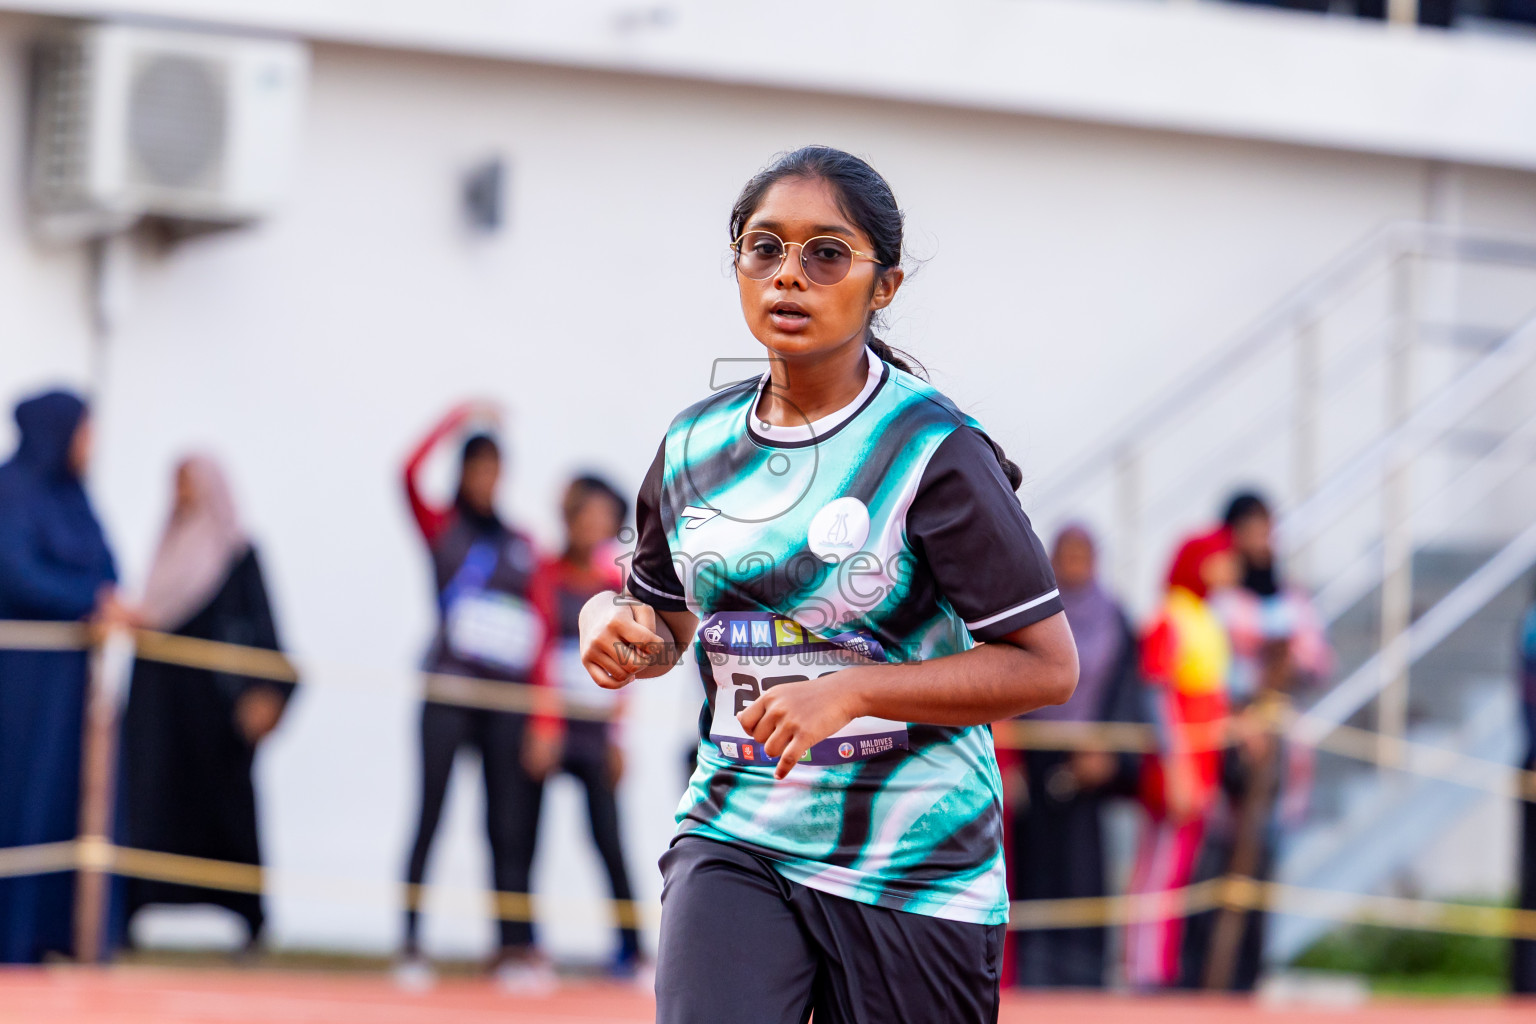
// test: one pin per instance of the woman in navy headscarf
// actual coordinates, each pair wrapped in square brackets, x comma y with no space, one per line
[54,565]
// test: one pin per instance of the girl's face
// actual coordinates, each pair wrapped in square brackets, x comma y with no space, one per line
[1073,562]
[186,488]
[478,481]
[593,522]
[1221,571]
[81,444]
[789,314]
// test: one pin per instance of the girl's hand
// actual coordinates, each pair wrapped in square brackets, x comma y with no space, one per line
[1093,768]
[792,717]
[257,712]
[542,752]
[1181,791]
[618,639]
[111,613]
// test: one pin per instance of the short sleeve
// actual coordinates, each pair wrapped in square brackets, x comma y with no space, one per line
[966,523]
[652,573]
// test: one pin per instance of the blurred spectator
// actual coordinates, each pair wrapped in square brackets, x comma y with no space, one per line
[585,748]
[1523,952]
[1431,12]
[1058,834]
[1278,647]
[1185,660]
[1317,6]
[1279,641]
[190,734]
[1514,10]
[1439,13]
[489,629]
[54,565]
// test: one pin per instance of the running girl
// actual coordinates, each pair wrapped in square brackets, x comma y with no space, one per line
[839,536]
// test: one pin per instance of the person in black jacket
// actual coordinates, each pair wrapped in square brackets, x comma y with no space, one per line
[190,734]
[488,628]
[1058,840]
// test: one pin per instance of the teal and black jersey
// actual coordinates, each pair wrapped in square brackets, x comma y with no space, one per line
[885,532]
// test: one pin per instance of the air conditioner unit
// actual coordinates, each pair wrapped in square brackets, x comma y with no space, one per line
[131,121]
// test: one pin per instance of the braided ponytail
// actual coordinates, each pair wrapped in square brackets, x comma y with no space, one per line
[903,361]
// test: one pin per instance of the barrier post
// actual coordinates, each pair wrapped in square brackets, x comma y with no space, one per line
[1397,518]
[95,813]
[1307,382]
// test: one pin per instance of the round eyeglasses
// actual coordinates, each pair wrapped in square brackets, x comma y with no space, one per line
[826,259]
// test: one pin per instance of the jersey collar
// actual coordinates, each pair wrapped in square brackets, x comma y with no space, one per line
[802,434]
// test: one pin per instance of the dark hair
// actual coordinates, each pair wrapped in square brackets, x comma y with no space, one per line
[477,445]
[589,485]
[866,199]
[1245,505]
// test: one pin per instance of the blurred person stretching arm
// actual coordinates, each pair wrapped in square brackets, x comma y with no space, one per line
[487,628]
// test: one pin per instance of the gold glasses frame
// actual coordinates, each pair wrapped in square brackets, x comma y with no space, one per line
[735,248]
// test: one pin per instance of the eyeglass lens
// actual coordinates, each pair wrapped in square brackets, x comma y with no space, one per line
[826,259]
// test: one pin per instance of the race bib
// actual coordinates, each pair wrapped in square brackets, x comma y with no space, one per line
[494,629]
[752,652]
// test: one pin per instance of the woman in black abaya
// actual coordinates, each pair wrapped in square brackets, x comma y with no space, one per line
[190,734]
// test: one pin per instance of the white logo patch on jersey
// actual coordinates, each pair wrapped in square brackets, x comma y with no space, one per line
[697,517]
[839,529]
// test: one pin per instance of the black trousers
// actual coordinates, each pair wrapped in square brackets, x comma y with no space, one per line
[1214,860]
[586,759]
[741,942]
[1058,853]
[512,801]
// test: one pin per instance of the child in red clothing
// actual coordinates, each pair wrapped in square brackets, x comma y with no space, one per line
[1186,659]
[586,745]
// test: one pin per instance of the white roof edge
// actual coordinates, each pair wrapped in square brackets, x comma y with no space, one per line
[1202,68]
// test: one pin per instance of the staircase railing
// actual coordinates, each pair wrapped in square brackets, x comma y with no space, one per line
[1290,329]
[1427,631]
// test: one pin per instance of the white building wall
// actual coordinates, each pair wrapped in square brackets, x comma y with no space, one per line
[1068,272]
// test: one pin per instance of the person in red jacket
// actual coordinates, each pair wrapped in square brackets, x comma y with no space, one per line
[1185,660]
[488,628]
[587,747]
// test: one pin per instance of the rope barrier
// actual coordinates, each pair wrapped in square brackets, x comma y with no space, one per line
[1025,915]
[23,635]
[1363,745]
[95,853]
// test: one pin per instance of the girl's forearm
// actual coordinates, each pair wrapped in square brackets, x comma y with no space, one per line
[988,683]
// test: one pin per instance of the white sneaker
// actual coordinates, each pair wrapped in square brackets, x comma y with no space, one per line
[644,977]
[526,976]
[414,974]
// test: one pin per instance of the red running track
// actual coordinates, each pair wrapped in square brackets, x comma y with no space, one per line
[151,995]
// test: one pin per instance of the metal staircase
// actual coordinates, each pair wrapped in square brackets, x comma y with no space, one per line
[1388,405]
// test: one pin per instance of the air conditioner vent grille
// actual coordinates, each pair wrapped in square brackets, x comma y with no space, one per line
[176,122]
[62,123]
